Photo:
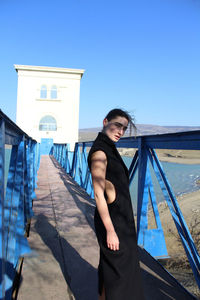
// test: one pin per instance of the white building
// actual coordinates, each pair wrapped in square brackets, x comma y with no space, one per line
[48,102]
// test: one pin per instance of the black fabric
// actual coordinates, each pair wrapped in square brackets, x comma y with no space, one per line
[118,271]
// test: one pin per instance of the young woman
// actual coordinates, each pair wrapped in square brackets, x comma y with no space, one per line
[118,271]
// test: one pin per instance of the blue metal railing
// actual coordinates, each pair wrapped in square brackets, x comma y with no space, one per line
[15,198]
[145,157]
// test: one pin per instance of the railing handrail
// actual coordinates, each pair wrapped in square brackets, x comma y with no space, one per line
[160,141]
[12,130]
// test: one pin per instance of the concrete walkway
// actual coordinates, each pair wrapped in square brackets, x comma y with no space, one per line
[63,263]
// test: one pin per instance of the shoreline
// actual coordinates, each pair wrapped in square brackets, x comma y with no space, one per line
[188,157]
[178,264]
[180,160]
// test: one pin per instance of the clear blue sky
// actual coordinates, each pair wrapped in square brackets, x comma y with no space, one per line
[141,55]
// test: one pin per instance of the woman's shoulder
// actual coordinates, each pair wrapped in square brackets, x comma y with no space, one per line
[99,148]
[99,156]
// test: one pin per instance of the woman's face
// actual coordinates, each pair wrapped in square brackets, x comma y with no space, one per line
[115,128]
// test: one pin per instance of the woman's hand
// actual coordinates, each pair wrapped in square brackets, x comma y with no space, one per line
[112,240]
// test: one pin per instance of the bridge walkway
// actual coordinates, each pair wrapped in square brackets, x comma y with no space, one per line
[63,263]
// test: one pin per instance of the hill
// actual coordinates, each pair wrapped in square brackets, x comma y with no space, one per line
[89,134]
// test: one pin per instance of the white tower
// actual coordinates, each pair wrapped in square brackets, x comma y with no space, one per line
[48,102]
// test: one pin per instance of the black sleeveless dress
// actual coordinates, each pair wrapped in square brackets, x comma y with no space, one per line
[118,271]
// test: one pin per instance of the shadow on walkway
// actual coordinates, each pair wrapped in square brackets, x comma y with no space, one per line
[84,203]
[80,276]
[158,283]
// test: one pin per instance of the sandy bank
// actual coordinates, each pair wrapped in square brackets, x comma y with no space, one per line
[178,264]
[174,156]
[190,208]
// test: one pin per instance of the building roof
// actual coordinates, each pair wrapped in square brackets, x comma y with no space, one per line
[49,69]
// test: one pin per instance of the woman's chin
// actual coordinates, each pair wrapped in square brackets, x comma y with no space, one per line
[115,139]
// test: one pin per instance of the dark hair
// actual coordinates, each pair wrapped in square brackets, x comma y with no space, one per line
[117,112]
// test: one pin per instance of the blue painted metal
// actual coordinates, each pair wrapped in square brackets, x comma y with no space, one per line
[189,140]
[17,245]
[66,159]
[74,162]
[70,155]
[151,239]
[133,167]
[142,186]
[16,199]
[84,167]
[2,193]
[77,166]
[62,161]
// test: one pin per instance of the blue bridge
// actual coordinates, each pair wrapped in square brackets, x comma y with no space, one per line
[18,185]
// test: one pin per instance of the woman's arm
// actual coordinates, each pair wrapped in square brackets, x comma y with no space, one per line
[98,171]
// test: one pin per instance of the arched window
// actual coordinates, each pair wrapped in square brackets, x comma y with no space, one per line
[53,92]
[43,92]
[48,123]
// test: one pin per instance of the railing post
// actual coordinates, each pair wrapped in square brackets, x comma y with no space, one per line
[62,155]
[70,160]
[84,166]
[78,170]
[66,159]
[74,161]
[30,190]
[68,167]
[59,153]
[55,151]
[142,190]
[22,246]
[89,185]
[133,167]
[2,193]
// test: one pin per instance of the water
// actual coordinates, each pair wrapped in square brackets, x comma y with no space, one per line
[182,179]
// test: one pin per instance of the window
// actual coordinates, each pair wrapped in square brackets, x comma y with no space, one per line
[48,123]
[53,92]
[43,92]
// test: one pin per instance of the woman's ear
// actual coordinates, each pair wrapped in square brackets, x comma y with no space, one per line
[105,122]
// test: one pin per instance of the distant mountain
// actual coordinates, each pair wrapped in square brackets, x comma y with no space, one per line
[89,134]
[144,129]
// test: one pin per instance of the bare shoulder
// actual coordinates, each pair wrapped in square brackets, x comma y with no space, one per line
[98,164]
[98,160]
[99,155]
